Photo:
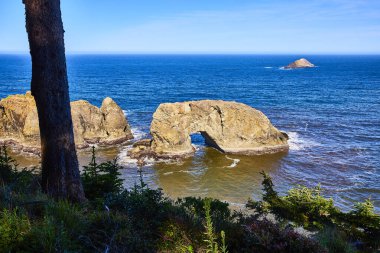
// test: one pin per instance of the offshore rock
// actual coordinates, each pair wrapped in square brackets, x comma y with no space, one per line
[301,63]
[141,150]
[103,126]
[230,127]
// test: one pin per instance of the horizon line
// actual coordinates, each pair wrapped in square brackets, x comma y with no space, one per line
[195,53]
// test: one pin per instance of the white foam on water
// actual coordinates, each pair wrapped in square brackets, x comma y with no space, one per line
[180,171]
[296,142]
[138,134]
[234,162]
[283,68]
[124,159]
[268,67]
[186,171]
[127,112]
[149,161]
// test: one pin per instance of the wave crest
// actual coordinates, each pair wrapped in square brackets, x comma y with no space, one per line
[296,142]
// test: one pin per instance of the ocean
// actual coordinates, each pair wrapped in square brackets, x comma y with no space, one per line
[331,113]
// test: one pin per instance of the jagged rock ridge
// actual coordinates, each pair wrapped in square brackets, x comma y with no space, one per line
[104,126]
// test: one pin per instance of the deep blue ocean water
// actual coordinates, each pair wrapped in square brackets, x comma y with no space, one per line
[331,112]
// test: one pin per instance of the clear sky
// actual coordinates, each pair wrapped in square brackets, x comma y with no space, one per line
[207,26]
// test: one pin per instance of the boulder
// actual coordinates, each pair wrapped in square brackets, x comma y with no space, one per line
[230,127]
[301,63]
[104,126]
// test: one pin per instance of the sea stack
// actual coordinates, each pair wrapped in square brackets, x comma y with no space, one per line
[104,126]
[230,127]
[301,63]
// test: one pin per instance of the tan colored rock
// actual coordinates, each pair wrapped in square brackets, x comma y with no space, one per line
[92,125]
[301,63]
[230,127]
[142,143]
[114,119]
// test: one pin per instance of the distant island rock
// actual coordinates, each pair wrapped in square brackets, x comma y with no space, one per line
[19,127]
[301,63]
[230,127]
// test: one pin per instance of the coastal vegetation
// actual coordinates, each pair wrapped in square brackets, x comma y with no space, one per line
[306,207]
[145,220]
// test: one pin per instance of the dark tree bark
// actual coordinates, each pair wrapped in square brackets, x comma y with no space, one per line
[49,86]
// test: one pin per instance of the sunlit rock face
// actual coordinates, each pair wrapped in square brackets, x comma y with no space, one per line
[301,63]
[230,127]
[104,126]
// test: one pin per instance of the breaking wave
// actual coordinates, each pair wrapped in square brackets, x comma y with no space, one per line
[298,143]
[138,134]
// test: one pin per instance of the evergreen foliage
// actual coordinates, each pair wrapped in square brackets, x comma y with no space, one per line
[306,207]
[101,179]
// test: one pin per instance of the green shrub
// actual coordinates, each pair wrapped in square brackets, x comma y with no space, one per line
[19,180]
[101,179]
[106,232]
[334,240]
[147,211]
[211,238]
[212,245]
[175,238]
[7,166]
[17,186]
[308,208]
[60,227]
[55,237]
[223,219]
[267,236]
[65,213]
[13,229]
[196,205]
[304,206]
[362,223]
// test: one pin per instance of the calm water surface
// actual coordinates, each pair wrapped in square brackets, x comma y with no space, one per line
[331,113]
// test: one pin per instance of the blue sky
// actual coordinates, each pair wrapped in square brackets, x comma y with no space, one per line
[207,26]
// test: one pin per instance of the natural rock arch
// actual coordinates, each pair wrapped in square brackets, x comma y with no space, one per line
[228,126]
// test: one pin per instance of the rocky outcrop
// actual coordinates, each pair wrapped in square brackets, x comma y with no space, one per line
[230,127]
[301,63]
[104,126]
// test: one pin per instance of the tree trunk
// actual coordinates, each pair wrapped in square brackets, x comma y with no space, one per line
[60,170]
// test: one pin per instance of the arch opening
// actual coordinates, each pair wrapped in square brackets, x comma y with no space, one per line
[201,138]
